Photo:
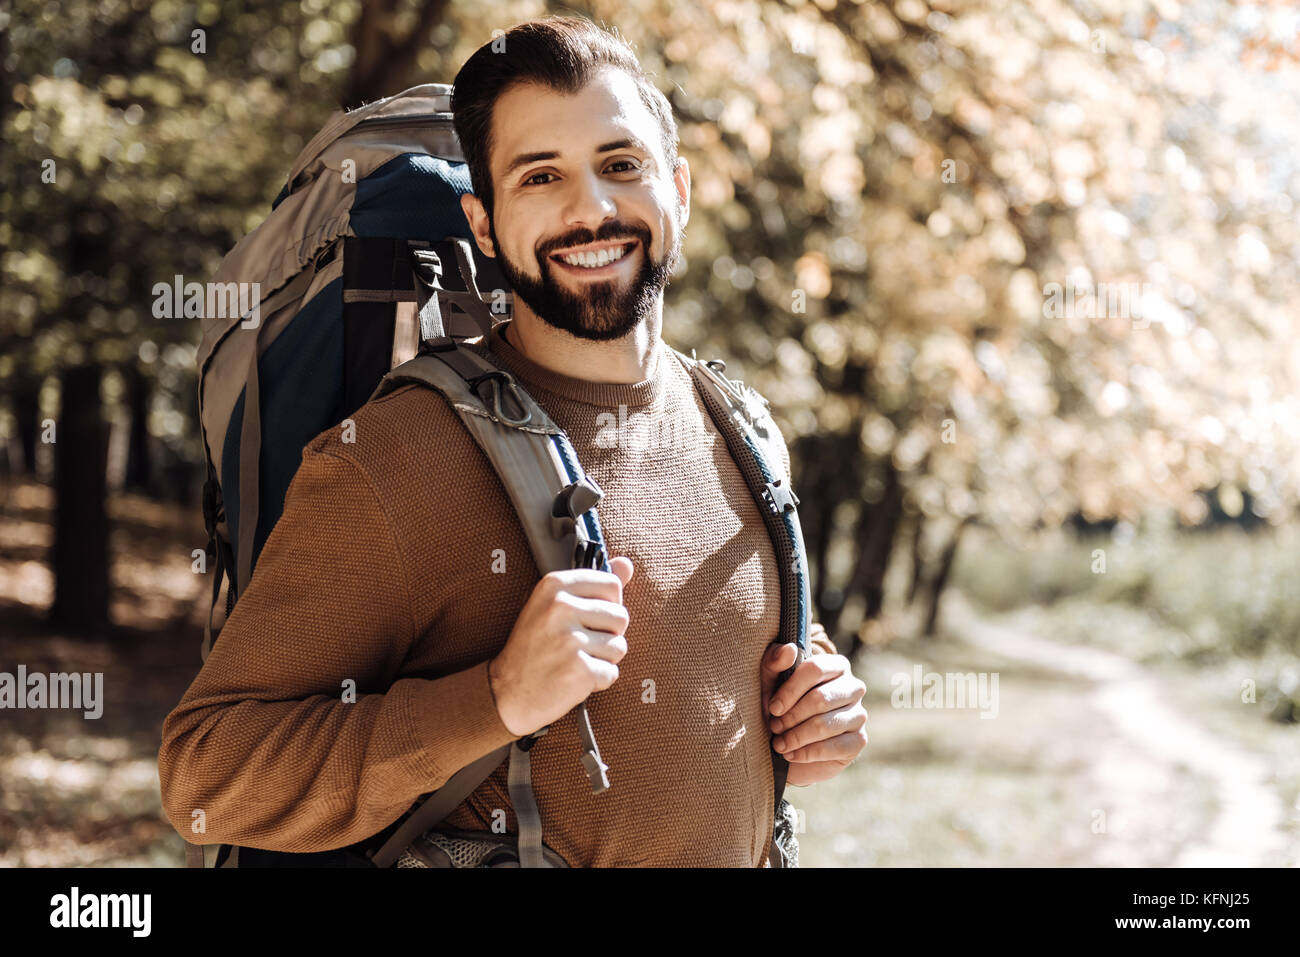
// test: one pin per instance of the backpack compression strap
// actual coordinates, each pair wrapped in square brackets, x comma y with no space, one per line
[741,415]
[555,502]
[430,290]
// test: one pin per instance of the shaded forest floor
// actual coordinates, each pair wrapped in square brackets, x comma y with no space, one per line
[79,791]
[1098,756]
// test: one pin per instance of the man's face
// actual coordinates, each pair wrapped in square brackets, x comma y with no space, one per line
[578,174]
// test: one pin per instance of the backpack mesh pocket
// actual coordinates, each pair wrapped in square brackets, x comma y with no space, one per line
[785,838]
[455,848]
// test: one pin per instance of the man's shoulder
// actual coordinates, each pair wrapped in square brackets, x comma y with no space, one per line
[412,433]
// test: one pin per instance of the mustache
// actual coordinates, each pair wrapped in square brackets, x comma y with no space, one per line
[614,232]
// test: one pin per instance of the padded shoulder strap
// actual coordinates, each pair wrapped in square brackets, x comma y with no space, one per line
[742,416]
[747,406]
[531,454]
[556,504]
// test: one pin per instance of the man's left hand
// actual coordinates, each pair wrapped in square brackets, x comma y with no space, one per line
[816,716]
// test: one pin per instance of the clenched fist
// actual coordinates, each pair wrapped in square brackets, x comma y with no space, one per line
[566,643]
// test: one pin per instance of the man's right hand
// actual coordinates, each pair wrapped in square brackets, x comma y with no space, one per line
[566,643]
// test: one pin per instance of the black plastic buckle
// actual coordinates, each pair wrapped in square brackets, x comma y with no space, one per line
[572,502]
[589,554]
[526,743]
[213,506]
[438,344]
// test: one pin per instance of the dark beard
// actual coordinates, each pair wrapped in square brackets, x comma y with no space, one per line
[602,311]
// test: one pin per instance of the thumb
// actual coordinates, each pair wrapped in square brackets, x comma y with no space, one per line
[622,567]
[777,658]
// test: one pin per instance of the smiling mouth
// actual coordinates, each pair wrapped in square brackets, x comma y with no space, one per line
[595,261]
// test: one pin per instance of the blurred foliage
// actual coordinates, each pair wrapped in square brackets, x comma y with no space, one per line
[917,173]
[163,157]
[1091,142]
[1224,592]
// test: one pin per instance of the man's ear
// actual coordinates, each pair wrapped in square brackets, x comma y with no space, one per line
[478,223]
[682,183]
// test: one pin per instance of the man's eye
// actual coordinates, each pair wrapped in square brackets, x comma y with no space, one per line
[632,167]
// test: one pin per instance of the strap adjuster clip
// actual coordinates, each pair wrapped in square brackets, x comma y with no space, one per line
[596,769]
[780,497]
[572,502]
[438,344]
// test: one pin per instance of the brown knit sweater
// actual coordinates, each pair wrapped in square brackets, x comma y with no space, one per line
[399,564]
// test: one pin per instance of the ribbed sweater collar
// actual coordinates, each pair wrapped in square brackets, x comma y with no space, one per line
[574,387]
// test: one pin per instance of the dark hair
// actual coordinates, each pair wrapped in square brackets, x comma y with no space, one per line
[561,52]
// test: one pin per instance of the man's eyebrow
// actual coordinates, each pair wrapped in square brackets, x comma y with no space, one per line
[523,159]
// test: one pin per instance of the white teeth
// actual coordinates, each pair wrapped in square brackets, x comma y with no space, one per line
[597,259]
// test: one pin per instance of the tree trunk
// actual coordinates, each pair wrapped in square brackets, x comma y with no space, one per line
[940,579]
[139,472]
[385,61]
[877,528]
[80,554]
[818,515]
[27,409]
[918,560]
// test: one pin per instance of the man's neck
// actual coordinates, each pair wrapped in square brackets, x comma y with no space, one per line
[627,360]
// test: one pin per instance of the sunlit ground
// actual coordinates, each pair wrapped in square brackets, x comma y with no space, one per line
[1119,741]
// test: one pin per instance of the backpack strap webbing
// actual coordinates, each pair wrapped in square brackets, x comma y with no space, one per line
[555,502]
[742,417]
[438,805]
[432,290]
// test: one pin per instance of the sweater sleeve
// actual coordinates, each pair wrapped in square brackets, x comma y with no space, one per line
[295,736]
[819,643]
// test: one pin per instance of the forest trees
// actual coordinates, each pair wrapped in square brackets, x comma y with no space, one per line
[991,262]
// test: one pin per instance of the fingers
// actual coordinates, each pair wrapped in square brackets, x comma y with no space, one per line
[815,670]
[622,567]
[605,673]
[834,693]
[775,660]
[822,727]
[779,657]
[585,583]
[841,749]
[603,645]
[804,773]
[594,613]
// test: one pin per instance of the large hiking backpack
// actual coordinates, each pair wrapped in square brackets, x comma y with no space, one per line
[358,297]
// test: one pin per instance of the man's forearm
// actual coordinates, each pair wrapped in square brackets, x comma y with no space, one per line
[320,773]
[264,750]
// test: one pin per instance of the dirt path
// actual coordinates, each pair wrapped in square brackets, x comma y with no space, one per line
[1245,830]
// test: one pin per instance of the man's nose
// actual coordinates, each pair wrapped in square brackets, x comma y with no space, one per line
[588,202]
